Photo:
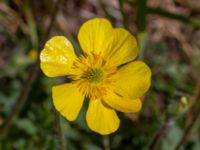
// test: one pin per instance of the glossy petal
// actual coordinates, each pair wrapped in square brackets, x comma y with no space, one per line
[94,35]
[57,57]
[134,79]
[101,119]
[123,48]
[67,100]
[123,104]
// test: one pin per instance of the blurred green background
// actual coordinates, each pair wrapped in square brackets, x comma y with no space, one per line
[168,34]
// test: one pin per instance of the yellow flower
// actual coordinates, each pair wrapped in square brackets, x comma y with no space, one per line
[106,73]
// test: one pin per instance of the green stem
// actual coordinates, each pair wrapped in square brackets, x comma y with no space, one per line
[189,20]
[142,21]
[142,15]
[106,142]
[32,25]
[58,131]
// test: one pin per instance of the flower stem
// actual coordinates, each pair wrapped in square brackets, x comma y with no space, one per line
[58,131]
[106,142]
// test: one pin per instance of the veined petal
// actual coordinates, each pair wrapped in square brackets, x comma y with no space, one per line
[123,48]
[123,104]
[67,100]
[101,119]
[94,35]
[134,79]
[57,57]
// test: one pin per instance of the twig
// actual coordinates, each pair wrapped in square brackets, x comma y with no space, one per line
[58,131]
[21,100]
[161,132]
[194,119]
[187,131]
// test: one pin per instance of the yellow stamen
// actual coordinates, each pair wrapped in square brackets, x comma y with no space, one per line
[93,76]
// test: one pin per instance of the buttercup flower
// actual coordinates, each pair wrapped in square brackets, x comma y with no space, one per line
[106,73]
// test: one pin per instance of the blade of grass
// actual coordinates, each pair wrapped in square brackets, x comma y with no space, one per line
[32,26]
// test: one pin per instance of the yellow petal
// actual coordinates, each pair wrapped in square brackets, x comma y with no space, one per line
[94,35]
[134,79]
[123,104]
[101,119]
[67,100]
[123,48]
[57,57]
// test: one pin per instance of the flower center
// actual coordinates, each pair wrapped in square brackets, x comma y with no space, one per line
[93,76]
